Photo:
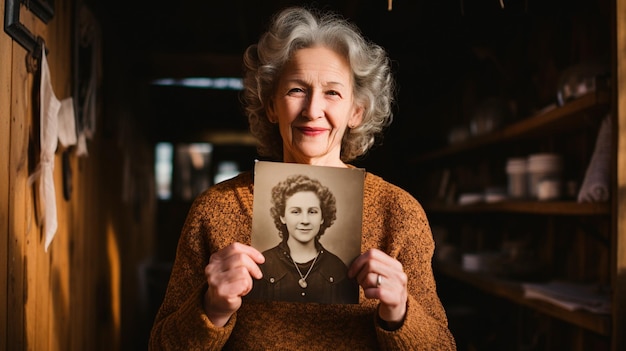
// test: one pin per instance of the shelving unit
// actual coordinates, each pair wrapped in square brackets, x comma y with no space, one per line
[579,113]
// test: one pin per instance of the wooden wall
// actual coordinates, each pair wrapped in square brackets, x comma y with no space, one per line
[619,321]
[82,294]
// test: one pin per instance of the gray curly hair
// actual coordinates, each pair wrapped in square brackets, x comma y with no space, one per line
[296,28]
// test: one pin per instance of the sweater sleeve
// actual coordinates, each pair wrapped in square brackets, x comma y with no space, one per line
[181,323]
[407,237]
[189,328]
[415,333]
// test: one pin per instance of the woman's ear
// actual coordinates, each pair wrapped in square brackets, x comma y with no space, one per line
[357,117]
[282,219]
[270,112]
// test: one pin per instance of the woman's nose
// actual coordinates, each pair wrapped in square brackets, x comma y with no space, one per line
[314,107]
[305,218]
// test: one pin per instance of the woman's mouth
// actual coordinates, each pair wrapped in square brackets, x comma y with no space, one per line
[311,131]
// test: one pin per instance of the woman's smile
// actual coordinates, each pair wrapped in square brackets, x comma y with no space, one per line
[310,131]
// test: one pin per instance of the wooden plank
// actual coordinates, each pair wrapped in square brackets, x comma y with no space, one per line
[562,208]
[542,123]
[87,239]
[26,222]
[18,202]
[619,242]
[80,293]
[513,291]
[58,297]
[5,139]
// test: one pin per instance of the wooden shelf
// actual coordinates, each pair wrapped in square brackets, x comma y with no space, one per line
[512,291]
[568,116]
[564,208]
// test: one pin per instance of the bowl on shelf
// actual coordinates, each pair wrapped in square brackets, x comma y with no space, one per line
[490,114]
[578,80]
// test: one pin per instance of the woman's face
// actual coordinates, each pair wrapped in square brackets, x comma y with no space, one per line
[303,216]
[313,106]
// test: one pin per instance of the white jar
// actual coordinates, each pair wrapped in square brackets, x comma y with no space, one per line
[549,189]
[545,173]
[517,179]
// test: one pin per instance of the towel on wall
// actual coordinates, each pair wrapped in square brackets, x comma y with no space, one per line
[48,114]
[596,184]
[57,124]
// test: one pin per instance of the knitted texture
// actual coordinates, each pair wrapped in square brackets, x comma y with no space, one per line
[393,221]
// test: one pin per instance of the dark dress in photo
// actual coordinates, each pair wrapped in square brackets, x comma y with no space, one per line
[323,279]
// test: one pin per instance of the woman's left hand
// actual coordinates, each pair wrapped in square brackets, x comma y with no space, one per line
[382,277]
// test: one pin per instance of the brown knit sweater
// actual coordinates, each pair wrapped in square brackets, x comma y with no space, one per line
[393,221]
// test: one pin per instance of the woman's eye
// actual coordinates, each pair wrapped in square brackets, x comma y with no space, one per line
[296,90]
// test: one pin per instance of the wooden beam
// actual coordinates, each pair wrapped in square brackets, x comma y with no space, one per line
[619,242]
[168,65]
[5,146]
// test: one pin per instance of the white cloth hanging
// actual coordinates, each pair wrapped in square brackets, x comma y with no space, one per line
[49,110]
[57,123]
[67,123]
[596,184]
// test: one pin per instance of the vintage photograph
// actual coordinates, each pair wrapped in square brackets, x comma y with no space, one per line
[307,224]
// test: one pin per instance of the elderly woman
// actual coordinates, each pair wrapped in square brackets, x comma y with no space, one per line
[316,92]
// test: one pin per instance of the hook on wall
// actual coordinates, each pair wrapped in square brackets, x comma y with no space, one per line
[43,9]
[33,57]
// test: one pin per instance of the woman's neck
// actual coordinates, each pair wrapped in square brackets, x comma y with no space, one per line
[302,252]
[326,160]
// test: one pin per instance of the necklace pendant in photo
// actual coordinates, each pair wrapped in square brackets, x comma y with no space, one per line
[302,283]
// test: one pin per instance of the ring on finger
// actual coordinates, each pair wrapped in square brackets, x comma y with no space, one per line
[379,280]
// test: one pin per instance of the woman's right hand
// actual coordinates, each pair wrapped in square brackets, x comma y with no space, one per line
[229,276]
